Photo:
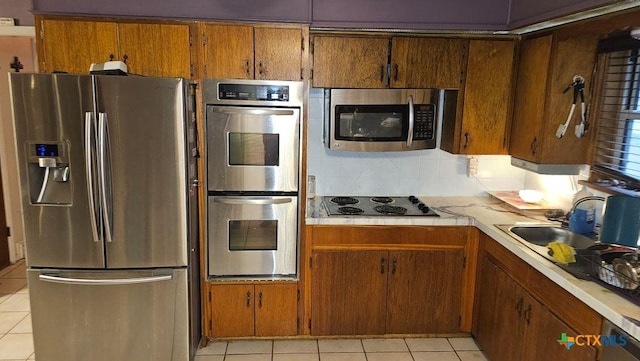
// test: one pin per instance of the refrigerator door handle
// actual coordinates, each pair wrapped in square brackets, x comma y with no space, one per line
[103,153]
[89,134]
[103,282]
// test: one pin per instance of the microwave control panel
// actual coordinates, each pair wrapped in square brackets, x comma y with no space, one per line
[424,125]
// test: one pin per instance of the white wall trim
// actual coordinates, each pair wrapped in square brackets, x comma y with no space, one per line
[28,31]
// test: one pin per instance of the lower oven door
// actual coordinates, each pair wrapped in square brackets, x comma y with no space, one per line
[252,236]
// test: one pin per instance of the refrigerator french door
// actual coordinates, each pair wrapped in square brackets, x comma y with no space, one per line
[106,188]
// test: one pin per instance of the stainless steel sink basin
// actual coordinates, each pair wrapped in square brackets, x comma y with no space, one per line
[538,236]
[543,235]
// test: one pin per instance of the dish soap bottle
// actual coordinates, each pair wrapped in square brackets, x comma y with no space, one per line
[583,217]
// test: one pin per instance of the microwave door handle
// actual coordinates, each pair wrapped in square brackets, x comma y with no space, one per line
[245,200]
[411,122]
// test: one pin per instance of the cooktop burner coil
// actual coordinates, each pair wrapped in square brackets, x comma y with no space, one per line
[383,200]
[343,201]
[350,210]
[387,209]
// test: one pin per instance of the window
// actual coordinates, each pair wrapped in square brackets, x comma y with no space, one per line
[617,150]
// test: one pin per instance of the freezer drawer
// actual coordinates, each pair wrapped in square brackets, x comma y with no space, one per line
[110,315]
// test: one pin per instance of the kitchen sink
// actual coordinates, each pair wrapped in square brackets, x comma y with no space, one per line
[538,236]
[543,235]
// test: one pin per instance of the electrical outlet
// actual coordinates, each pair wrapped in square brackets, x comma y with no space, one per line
[20,250]
[472,167]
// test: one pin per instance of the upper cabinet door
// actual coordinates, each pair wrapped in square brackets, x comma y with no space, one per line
[487,97]
[71,46]
[350,62]
[156,49]
[427,62]
[529,104]
[278,53]
[228,51]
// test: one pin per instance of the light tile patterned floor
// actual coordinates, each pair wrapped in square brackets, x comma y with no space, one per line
[16,341]
[377,349]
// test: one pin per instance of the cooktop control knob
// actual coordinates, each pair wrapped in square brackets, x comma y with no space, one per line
[413,199]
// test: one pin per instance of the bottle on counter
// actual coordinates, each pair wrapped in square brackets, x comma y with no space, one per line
[583,214]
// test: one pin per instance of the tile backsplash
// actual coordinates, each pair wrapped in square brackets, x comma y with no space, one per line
[430,172]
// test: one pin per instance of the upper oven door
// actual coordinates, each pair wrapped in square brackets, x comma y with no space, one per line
[252,149]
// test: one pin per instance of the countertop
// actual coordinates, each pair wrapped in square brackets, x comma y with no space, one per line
[485,214]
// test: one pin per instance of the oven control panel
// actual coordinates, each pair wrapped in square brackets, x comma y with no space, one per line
[259,92]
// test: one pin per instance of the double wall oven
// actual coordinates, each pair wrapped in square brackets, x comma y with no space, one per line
[253,165]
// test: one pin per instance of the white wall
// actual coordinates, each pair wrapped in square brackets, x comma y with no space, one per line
[425,172]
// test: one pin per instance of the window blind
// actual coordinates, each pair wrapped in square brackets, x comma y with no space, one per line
[617,148]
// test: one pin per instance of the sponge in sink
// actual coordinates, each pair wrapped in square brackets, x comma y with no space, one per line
[561,252]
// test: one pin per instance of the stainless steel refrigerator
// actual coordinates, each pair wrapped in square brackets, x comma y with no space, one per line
[108,191]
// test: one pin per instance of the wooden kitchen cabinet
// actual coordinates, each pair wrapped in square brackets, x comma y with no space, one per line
[482,124]
[386,292]
[424,291]
[260,309]
[383,62]
[66,45]
[547,66]
[253,52]
[520,314]
[389,280]
[350,62]
[427,62]
[349,292]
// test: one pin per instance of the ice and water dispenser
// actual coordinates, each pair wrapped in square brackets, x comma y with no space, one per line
[49,173]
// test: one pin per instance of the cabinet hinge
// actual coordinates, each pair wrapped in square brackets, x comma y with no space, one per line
[298,323]
[459,321]
[302,74]
[192,70]
[204,39]
[311,46]
[302,44]
[298,295]
[309,323]
[190,39]
[310,262]
[311,77]
[209,295]
[8,231]
[464,261]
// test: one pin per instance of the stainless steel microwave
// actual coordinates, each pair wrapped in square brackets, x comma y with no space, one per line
[378,120]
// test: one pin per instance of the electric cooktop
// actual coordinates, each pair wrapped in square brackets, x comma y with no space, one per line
[376,206]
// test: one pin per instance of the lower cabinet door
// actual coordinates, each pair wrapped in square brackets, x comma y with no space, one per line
[276,309]
[348,291]
[425,291]
[542,332]
[232,313]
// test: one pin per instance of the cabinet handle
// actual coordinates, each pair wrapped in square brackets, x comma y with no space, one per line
[519,306]
[124,58]
[247,69]
[382,73]
[395,72]
[248,299]
[533,145]
[527,314]
[382,260]
[260,299]
[111,56]
[393,266]
[466,140]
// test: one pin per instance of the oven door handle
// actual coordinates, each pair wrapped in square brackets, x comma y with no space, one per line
[247,200]
[255,111]
[411,122]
